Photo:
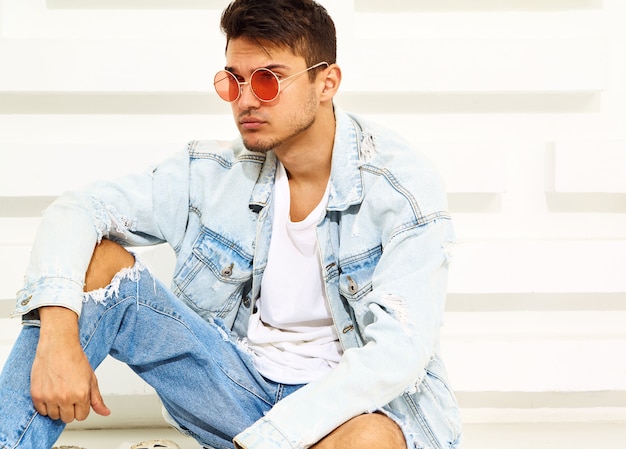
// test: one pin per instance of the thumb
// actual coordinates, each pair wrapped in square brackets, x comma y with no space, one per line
[97,403]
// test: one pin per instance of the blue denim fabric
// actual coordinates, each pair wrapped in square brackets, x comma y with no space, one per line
[182,353]
[384,251]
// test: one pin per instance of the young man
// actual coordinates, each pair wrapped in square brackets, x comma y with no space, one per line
[310,279]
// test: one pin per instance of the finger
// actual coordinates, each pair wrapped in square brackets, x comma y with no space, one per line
[41,407]
[97,403]
[81,411]
[54,413]
[66,414]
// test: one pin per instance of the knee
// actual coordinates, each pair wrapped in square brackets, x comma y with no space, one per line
[108,259]
[368,431]
[380,431]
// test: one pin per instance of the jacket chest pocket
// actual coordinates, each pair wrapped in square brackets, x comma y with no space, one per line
[356,273]
[213,277]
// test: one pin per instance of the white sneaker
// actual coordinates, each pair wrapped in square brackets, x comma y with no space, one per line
[154,444]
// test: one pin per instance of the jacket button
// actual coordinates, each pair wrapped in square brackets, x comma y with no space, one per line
[228,271]
[26,301]
[352,286]
[246,302]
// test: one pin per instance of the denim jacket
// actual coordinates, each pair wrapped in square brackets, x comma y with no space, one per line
[384,248]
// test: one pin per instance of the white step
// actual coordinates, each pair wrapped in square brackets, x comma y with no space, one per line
[570,435]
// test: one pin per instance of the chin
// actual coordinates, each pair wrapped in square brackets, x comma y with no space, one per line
[259,145]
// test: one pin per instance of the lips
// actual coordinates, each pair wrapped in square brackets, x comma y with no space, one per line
[251,123]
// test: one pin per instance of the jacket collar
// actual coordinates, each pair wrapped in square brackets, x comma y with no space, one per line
[346,185]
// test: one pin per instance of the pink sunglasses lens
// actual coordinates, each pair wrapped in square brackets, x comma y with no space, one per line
[226,86]
[264,84]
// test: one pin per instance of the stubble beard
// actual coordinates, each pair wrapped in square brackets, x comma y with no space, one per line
[298,123]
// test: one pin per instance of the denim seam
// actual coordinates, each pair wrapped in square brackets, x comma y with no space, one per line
[30,422]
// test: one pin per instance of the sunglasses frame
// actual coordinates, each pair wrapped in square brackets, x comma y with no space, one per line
[240,84]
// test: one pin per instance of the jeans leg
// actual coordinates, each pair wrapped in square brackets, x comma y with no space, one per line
[205,380]
[20,424]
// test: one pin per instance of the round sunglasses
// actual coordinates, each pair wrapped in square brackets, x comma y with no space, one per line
[264,83]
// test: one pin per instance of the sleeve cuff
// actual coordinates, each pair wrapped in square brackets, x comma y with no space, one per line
[62,292]
[264,435]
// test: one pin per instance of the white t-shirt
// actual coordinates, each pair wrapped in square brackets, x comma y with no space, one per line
[291,335]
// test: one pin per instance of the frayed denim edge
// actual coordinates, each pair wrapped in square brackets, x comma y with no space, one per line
[100,295]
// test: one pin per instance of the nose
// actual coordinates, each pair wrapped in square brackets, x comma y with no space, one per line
[247,99]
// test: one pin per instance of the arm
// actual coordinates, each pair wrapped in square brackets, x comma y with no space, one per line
[142,209]
[399,320]
[63,384]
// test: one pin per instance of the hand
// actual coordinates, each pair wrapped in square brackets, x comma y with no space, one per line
[63,384]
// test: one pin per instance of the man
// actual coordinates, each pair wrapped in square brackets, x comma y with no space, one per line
[310,278]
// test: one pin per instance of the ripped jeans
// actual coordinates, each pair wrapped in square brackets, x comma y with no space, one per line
[205,380]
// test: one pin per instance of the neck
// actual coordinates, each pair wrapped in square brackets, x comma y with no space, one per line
[307,159]
[307,162]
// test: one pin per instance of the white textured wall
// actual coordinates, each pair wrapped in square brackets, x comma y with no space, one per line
[522,103]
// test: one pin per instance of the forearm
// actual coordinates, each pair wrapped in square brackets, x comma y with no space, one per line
[123,210]
[361,383]
[57,323]
[60,256]
[404,312]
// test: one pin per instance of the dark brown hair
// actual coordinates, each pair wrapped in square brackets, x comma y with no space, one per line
[302,26]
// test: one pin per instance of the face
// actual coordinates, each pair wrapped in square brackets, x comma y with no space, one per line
[271,125]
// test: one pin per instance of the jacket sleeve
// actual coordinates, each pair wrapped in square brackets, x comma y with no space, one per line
[141,209]
[400,320]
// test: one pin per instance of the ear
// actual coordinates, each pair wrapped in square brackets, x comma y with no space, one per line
[331,82]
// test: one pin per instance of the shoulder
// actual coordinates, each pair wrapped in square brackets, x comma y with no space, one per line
[385,147]
[225,152]
[402,166]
